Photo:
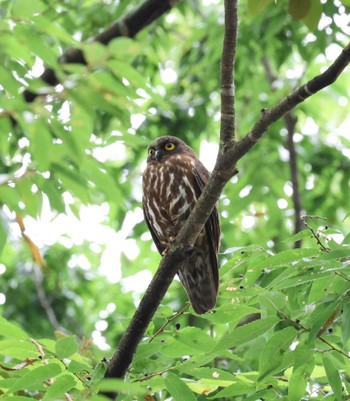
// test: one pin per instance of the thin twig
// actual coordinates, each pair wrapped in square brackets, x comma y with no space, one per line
[300,326]
[39,347]
[343,276]
[168,321]
[314,234]
[147,377]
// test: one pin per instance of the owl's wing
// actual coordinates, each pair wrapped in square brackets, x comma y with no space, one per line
[159,245]
[212,226]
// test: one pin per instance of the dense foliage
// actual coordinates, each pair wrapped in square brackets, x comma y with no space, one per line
[75,251]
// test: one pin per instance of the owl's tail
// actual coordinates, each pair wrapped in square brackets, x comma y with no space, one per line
[200,278]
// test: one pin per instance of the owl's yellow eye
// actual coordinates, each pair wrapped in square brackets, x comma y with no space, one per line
[150,152]
[169,146]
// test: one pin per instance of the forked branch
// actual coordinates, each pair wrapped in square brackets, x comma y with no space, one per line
[230,153]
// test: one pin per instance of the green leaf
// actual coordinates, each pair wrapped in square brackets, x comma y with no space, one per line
[41,143]
[313,16]
[36,43]
[230,313]
[95,54]
[319,317]
[95,172]
[66,346]
[3,236]
[333,376]
[219,376]
[303,367]
[18,348]
[299,8]
[11,330]
[73,182]
[124,47]
[82,127]
[256,7]
[190,341]
[118,385]
[298,236]
[17,398]
[336,254]
[53,29]
[178,389]
[297,385]
[273,353]
[33,380]
[55,197]
[144,351]
[239,388]
[285,257]
[246,333]
[124,70]
[12,86]
[10,197]
[61,385]
[26,8]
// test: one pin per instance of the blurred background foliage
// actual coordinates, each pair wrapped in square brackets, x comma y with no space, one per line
[75,252]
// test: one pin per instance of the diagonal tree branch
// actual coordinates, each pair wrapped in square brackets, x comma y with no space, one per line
[129,26]
[231,152]
[184,242]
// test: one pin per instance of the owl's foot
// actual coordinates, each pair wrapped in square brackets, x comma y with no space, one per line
[167,249]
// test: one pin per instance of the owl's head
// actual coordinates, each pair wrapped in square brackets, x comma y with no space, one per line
[166,146]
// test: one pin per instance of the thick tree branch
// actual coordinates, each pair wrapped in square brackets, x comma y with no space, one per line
[227,88]
[129,26]
[187,236]
[224,170]
[290,122]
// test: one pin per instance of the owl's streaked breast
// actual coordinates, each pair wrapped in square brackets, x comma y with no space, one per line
[169,194]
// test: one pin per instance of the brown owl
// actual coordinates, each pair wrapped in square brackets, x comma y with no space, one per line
[172,183]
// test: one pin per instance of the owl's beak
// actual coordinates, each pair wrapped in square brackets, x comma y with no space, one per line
[158,154]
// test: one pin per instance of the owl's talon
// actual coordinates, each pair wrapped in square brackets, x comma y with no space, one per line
[166,251]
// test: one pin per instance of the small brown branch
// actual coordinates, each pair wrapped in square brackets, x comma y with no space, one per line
[314,234]
[168,321]
[39,347]
[342,275]
[333,348]
[227,88]
[298,324]
[129,26]
[147,377]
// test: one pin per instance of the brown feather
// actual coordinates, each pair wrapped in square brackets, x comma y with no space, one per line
[172,183]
